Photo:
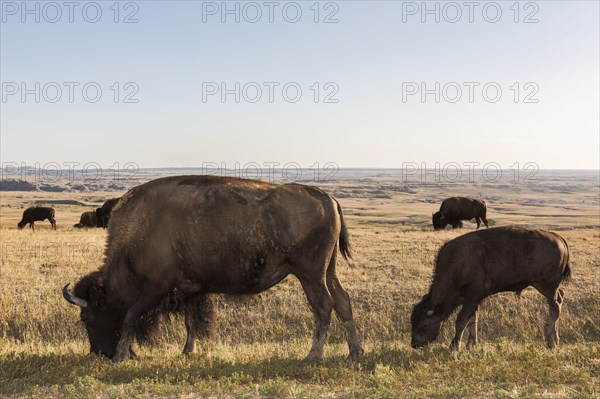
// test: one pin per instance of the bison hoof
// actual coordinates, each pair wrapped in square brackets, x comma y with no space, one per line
[471,344]
[189,349]
[455,346]
[355,355]
[120,357]
[313,358]
[132,354]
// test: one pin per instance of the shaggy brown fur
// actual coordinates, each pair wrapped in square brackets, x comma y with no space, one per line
[37,213]
[482,263]
[87,219]
[179,239]
[103,213]
[455,209]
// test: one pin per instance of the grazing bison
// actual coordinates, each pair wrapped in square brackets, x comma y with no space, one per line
[482,263]
[455,209]
[103,213]
[179,239]
[35,213]
[87,219]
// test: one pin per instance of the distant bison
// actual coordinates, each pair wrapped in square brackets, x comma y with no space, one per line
[455,209]
[103,213]
[482,263]
[37,213]
[87,219]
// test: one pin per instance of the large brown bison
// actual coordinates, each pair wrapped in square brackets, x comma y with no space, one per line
[37,213]
[455,209]
[103,213]
[87,220]
[179,239]
[482,263]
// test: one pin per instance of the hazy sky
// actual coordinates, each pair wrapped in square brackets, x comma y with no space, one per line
[369,65]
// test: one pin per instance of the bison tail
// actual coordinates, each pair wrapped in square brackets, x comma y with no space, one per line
[344,237]
[567,271]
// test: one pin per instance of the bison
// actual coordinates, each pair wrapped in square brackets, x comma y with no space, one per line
[35,213]
[179,239]
[87,219]
[482,263]
[455,209]
[103,213]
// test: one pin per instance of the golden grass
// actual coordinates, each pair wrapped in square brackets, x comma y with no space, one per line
[262,339]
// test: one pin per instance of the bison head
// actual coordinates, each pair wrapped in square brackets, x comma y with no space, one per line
[439,220]
[21,224]
[426,321]
[102,322]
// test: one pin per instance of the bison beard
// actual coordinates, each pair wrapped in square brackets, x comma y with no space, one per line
[199,320]
[174,241]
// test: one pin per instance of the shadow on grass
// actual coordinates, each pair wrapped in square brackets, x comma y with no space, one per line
[23,372]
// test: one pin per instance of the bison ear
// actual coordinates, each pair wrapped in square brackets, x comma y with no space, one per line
[94,295]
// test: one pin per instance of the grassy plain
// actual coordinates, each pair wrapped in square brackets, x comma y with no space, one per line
[262,340]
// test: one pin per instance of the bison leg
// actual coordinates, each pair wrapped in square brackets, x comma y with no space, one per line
[53,223]
[343,308]
[31,226]
[555,297]
[554,303]
[148,298]
[466,312]
[199,319]
[485,221]
[473,329]
[321,303]
[478,221]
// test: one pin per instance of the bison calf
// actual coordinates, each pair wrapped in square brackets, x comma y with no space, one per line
[482,263]
[37,213]
[455,209]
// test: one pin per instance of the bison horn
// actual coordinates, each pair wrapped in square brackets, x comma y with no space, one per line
[73,299]
[429,312]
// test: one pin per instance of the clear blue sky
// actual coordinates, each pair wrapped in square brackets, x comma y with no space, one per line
[369,55]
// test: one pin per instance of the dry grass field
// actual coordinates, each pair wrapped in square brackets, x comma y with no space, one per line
[261,341]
